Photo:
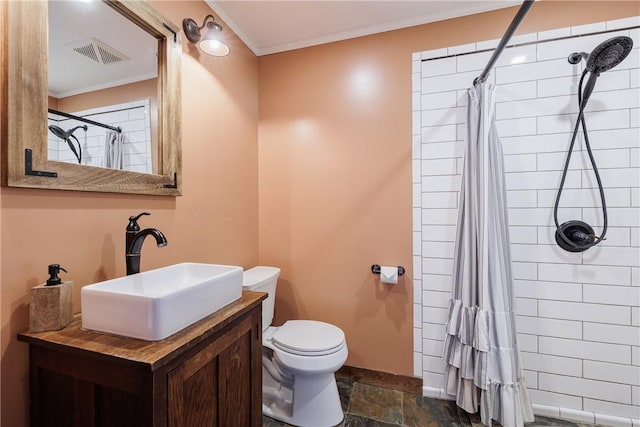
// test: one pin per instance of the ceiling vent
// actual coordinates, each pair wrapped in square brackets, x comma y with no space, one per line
[97,51]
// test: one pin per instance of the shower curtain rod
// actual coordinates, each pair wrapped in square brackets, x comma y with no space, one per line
[524,8]
[82,119]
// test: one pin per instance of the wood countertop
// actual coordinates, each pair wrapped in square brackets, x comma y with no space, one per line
[74,339]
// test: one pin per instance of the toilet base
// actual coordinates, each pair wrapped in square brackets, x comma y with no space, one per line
[316,403]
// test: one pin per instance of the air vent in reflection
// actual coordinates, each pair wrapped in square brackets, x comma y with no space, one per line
[97,51]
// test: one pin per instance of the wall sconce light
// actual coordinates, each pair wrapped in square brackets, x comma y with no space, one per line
[211,43]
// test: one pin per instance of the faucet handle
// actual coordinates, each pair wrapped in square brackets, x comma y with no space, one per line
[133,222]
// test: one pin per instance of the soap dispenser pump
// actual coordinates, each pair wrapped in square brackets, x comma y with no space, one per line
[54,270]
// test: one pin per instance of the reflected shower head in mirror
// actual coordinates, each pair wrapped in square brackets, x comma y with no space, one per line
[58,131]
[67,135]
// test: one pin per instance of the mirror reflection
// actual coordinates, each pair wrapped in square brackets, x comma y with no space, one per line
[102,86]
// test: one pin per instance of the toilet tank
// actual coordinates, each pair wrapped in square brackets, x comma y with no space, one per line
[263,279]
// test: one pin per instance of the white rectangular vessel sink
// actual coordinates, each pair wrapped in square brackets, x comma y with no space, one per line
[157,303]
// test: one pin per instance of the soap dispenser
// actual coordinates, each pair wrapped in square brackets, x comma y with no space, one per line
[54,270]
[51,306]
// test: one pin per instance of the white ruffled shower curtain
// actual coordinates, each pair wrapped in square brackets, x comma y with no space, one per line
[483,368]
[113,150]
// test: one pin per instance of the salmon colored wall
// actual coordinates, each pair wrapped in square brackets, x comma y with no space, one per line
[3,137]
[145,89]
[52,102]
[114,95]
[335,165]
[216,220]
[335,172]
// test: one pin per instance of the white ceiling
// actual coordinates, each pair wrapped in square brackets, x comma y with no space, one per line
[276,26]
[71,73]
[266,26]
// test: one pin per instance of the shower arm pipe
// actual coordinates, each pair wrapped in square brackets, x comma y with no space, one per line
[524,8]
[82,119]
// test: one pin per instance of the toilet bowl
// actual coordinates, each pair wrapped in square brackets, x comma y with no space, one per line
[299,360]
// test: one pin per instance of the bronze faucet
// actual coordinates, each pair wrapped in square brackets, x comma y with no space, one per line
[134,239]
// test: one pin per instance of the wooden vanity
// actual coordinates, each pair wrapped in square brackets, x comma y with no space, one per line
[208,374]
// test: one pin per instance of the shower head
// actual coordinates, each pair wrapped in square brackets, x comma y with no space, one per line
[67,135]
[58,131]
[605,56]
[577,235]
[608,54]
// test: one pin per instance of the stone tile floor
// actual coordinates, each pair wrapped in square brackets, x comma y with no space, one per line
[371,406]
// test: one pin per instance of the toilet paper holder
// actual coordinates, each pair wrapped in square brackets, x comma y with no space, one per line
[375,269]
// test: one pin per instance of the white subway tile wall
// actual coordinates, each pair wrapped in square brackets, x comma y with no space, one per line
[578,314]
[134,120]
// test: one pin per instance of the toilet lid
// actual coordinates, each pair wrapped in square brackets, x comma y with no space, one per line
[308,338]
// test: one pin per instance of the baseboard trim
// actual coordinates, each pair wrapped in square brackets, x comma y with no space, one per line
[383,379]
[583,416]
[436,393]
[553,411]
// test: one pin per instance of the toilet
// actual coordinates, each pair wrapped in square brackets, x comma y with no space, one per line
[299,360]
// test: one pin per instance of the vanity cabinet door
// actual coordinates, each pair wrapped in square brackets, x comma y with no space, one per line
[72,390]
[221,384]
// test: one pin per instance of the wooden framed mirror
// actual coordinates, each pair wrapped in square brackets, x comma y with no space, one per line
[25,105]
